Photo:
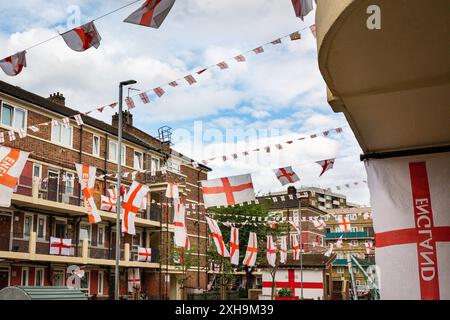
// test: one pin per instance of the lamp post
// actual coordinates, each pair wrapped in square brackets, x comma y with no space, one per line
[119,181]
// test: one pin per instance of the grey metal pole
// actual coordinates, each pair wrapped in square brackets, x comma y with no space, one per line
[119,182]
[301,245]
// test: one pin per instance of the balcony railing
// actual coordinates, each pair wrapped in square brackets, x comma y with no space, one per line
[343,262]
[347,235]
[158,177]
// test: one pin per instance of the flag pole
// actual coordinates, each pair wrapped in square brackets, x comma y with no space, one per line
[119,181]
[301,244]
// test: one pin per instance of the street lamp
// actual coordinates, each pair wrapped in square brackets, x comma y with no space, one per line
[119,181]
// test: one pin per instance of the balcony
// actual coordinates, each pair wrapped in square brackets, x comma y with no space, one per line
[50,196]
[32,250]
[343,262]
[347,235]
[158,178]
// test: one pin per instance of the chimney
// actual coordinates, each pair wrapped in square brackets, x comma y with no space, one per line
[291,190]
[127,119]
[57,98]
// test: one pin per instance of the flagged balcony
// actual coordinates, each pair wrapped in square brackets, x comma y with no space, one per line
[347,235]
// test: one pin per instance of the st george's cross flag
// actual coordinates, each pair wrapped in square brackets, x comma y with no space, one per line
[302,7]
[329,251]
[369,246]
[86,176]
[144,254]
[283,249]
[286,175]
[319,223]
[410,204]
[151,14]
[131,204]
[295,246]
[344,223]
[12,162]
[172,191]
[228,191]
[179,221]
[109,203]
[252,250]
[339,242]
[14,64]
[234,246]
[216,234]
[134,279]
[271,251]
[326,165]
[60,246]
[82,38]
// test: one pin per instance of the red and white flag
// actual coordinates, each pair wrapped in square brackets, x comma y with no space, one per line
[295,247]
[326,165]
[60,246]
[151,14]
[130,103]
[258,50]
[12,162]
[109,203]
[216,234]
[302,7]
[144,254]
[159,92]
[172,191]
[367,215]
[131,205]
[319,223]
[410,202]
[240,58]
[144,97]
[190,79]
[271,251]
[222,65]
[234,246]
[228,191]
[329,251]
[286,175]
[252,250]
[78,119]
[179,221]
[86,176]
[344,223]
[14,64]
[283,249]
[134,279]
[83,37]
[369,246]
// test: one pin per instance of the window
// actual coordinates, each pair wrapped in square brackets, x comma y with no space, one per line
[337,229]
[84,284]
[101,236]
[155,165]
[37,171]
[41,227]
[27,225]
[25,274]
[137,239]
[354,243]
[96,146]
[39,277]
[60,229]
[113,152]
[138,160]
[100,283]
[62,134]
[354,229]
[13,117]
[85,232]
[70,183]
[173,165]
[340,270]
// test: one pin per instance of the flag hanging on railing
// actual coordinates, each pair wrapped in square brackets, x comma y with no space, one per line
[86,176]
[12,162]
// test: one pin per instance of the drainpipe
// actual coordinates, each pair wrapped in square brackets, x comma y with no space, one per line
[80,161]
[198,228]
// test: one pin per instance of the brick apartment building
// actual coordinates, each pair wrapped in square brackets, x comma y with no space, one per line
[48,202]
[361,225]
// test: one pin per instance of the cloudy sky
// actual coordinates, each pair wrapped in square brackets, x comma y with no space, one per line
[272,98]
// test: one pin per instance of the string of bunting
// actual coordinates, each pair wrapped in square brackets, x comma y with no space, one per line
[147,96]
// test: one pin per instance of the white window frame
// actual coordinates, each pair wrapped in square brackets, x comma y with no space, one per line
[158,165]
[340,270]
[95,152]
[37,165]
[123,153]
[100,284]
[39,216]
[139,233]
[354,229]
[83,224]
[71,182]
[22,283]
[31,227]
[141,165]
[98,236]
[36,276]
[87,272]
[13,116]
[355,243]
[64,221]
[60,142]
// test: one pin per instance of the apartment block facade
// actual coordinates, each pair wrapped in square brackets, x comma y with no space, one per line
[48,202]
[361,231]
